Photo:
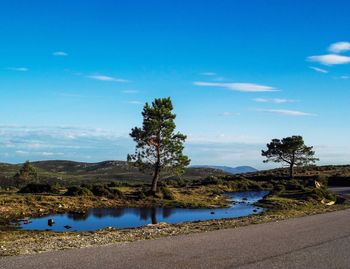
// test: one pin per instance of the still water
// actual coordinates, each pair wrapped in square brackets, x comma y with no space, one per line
[99,218]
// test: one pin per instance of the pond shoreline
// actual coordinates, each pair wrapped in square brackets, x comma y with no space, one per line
[30,242]
[240,204]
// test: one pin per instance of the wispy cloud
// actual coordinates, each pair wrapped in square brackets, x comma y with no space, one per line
[208,74]
[339,47]
[344,77]
[228,114]
[330,59]
[242,87]
[134,102]
[19,69]
[60,53]
[274,100]
[107,78]
[287,112]
[320,70]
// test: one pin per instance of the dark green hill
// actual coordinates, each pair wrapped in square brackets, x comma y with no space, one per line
[70,172]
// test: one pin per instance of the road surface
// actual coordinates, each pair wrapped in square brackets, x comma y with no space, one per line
[320,241]
[342,191]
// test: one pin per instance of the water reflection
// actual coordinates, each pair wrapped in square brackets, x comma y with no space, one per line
[99,218]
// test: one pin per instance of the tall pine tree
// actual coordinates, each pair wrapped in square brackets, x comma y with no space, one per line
[158,148]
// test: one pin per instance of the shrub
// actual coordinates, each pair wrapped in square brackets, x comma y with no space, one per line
[278,189]
[104,190]
[100,190]
[167,193]
[212,180]
[114,184]
[38,188]
[319,194]
[78,191]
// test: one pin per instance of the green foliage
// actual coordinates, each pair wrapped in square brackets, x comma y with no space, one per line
[25,175]
[96,190]
[322,193]
[167,193]
[78,191]
[158,148]
[290,150]
[212,180]
[38,188]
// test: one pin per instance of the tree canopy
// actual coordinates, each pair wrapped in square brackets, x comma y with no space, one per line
[26,174]
[290,150]
[159,149]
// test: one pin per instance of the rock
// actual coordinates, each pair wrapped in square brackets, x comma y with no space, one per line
[212,212]
[318,185]
[323,201]
[67,227]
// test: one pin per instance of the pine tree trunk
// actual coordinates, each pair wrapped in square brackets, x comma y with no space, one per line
[155,181]
[291,171]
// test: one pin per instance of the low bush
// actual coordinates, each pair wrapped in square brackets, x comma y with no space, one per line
[167,193]
[38,188]
[78,191]
[212,180]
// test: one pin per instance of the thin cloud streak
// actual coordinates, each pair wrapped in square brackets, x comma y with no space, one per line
[287,112]
[241,87]
[60,53]
[19,69]
[320,70]
[107,78]
[208,74]
[274,100]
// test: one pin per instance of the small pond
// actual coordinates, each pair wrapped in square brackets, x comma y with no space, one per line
[99,218]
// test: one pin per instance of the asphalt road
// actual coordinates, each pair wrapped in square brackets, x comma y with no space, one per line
[320,241]
[342,191]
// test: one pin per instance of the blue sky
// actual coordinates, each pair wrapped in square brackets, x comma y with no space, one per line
[74,76]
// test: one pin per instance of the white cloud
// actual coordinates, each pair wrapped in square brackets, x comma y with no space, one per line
[19,69]
[274,100]
[135,102]
[344,77]
[242,87]
[339,47]
[320,70]
[60,53]
[107,78]
[287,112]
[208,74]
[21,152]
[228,114]
[330,59]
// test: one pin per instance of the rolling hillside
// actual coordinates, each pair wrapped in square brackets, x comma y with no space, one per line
[68,172]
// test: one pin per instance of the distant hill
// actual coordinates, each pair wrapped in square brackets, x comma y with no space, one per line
[227,169]
[68,172]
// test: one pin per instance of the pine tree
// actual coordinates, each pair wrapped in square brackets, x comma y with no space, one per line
[290,150]
[158,148]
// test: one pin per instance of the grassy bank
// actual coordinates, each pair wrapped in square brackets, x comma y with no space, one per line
[15,206]
[288,198]
[25,242]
